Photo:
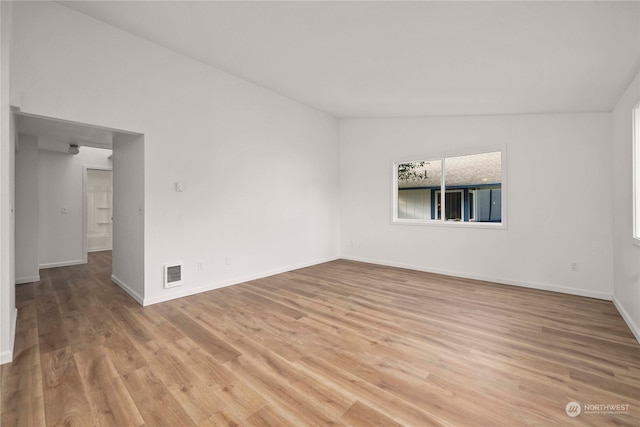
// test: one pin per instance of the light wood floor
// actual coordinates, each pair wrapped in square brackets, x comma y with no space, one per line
[341,343]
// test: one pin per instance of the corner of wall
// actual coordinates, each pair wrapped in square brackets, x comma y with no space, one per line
[626,270]
[8,312]
[635,330]
[139,299]
[6,356]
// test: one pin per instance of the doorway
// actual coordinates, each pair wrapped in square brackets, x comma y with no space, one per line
[104,213]
[98,218]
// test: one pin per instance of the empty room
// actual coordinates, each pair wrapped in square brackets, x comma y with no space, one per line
[308,213]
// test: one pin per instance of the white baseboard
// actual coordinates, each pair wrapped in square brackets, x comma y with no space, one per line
[62,264]
[635,330]
[29,279]
[128,290]
[106,248]
[179,293]
[6,356]
[499,280]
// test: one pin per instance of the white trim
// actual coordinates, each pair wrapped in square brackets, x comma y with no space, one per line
[7,355]
[62,264]
[635,165]
[492,279]
[438,223]
[635,329]
[99,250]
[192,291]
[29,279]
[133,294]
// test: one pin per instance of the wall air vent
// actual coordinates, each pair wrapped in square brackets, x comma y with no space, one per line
[172,275]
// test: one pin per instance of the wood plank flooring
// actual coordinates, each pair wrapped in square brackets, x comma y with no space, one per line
[341,343]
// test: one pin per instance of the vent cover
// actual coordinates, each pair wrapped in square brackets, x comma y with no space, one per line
[172,275]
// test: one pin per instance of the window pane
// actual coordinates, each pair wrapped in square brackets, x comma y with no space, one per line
[476,182]
[464,188]
[417,183]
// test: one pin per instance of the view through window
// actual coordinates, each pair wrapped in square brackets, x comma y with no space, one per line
[472,187]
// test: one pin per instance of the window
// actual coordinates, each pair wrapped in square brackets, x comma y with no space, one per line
[636,173]
[467,188]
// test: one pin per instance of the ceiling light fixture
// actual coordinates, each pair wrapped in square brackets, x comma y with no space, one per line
[73,149]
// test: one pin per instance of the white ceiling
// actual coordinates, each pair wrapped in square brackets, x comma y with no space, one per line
[395,58]
[56,135]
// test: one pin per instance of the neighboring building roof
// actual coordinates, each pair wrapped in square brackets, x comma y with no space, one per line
[474,169]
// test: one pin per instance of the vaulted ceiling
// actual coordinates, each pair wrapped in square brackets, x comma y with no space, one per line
[396,58]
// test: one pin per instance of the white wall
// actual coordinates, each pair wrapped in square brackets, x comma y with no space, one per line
[8,312]
[27,210]
[260,170]
[60,177]
[559,199]
[128,215]
[626,254]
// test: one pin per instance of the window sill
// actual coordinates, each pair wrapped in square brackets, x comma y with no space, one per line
[460,224]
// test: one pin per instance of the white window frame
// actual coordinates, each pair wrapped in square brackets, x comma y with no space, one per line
[636,173]
[443,222]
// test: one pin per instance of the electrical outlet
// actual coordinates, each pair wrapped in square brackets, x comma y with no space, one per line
[227,260]
[200,266]
[573,267]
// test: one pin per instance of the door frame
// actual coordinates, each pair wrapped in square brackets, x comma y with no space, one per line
[85,188]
